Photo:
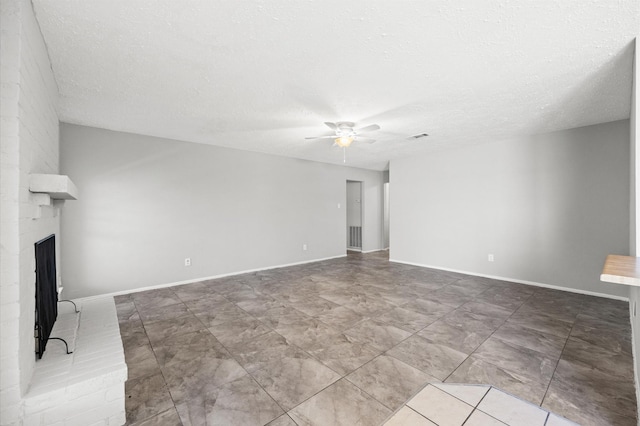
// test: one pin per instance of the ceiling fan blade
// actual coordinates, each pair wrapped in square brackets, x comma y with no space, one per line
[369,128]
[366,140]
[322,137]
[331,125]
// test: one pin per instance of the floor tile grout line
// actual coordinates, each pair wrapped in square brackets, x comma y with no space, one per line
[226,349]
[468,416]
[474,407]
[236,360]
[287,340]
[503,323]
[513,397]
[474,351]
[405,404]
[364,391]
[557,363]
[417,412]
[175,406]
[289,343]
[331,384]
[285,412]
[158,365]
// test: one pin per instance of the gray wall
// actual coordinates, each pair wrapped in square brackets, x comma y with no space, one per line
[354,199]
[634,236]
[385,206]
[147,203]
[549,207]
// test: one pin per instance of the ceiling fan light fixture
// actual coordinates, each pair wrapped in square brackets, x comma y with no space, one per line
[344,141]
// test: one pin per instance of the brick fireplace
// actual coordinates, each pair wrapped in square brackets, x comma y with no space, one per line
[29,138]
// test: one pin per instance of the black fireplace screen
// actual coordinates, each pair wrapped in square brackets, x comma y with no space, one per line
[46,291]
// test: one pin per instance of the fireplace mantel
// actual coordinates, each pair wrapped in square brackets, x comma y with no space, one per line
[57,187]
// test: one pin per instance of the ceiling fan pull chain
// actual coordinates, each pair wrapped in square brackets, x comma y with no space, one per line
[344,154]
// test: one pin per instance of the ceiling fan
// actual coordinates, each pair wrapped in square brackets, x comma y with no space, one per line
[345,133]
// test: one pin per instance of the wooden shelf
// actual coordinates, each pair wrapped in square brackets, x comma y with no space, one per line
[621,270]
[58,187]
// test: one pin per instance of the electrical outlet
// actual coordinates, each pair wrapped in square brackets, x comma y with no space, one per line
[304,247]
[187,261]
[490,258]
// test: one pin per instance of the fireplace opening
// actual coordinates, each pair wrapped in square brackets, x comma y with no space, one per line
[46,291]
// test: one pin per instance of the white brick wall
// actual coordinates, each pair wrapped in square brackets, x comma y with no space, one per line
[39,147]
[10,392]
[29,144]
[86,387]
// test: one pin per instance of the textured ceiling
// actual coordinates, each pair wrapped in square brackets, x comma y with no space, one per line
[263,75]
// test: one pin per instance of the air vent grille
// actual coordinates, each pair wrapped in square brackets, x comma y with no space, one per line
[418,136]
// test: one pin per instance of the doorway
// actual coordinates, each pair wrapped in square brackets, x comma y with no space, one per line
[354,215]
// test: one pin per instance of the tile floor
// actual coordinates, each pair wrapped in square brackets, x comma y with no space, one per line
[471,405]
[350,341]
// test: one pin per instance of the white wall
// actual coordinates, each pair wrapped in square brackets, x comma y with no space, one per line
[29,144]
[549,207]
[147,203]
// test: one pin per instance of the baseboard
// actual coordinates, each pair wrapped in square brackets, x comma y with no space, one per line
[195,280]
[364,251]
[519,281]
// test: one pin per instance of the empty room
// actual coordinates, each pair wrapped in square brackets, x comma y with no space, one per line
[291,213]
